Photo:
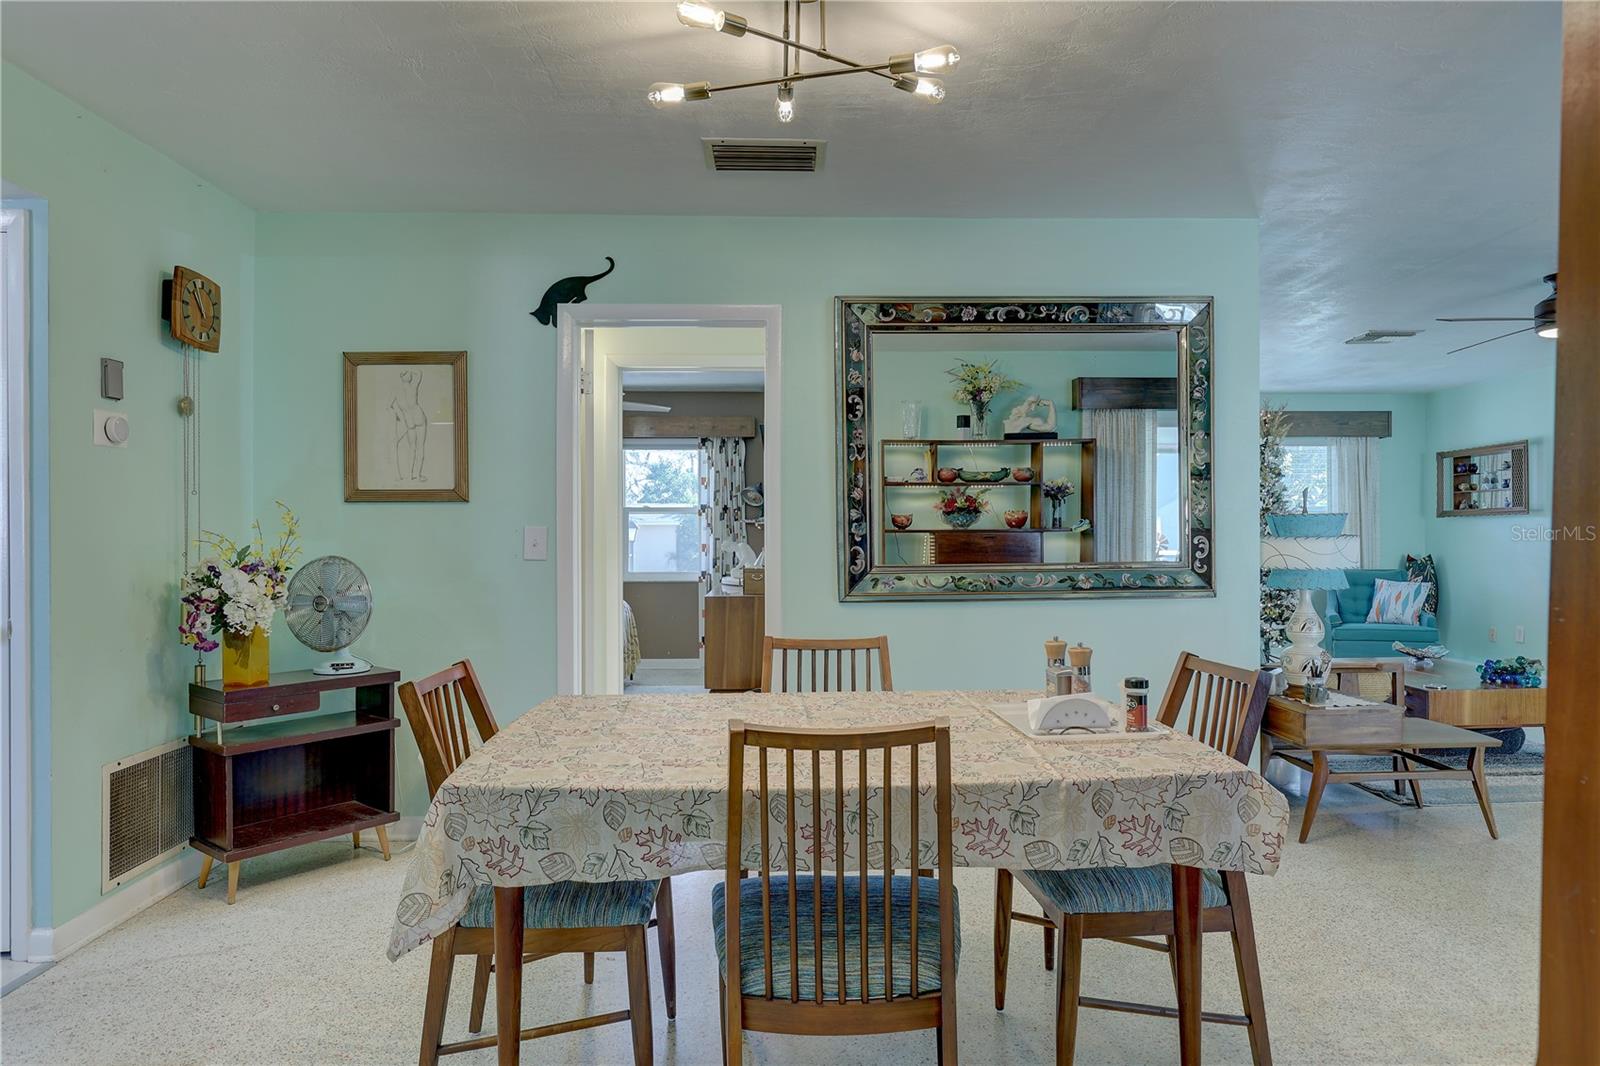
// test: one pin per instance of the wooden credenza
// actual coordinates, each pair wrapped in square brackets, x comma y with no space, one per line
[736,625]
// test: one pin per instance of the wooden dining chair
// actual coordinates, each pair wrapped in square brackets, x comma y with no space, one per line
[1225,708]
[561,918]
[806,951]
[832,659]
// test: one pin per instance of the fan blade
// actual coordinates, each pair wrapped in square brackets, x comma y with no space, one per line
[1502,337]
[1523,319]
[652,408]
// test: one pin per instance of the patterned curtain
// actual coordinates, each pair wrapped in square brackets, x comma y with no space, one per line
[1353,488]
[1124,484]
[721,512]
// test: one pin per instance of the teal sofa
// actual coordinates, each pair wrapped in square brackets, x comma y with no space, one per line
[1351,636]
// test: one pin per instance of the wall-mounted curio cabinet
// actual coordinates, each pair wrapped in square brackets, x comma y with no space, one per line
[1033,449]
[1488,480]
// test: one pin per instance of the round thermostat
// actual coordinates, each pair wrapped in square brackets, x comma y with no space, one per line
[117,429]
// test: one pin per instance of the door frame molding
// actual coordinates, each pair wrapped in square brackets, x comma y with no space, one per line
[573,323]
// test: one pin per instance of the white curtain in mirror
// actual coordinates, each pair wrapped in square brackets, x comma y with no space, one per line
[1353,489]
[1124,484]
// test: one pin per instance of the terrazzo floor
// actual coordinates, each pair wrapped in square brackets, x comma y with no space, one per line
[1394,936]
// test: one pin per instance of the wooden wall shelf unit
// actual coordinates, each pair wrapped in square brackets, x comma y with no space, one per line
[300,759]
[1489,480]
[987,544]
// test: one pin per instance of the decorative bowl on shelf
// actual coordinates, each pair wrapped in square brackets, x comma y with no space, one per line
[1305,525]
[960,519]
[1022,473]
[983,475]
[1016,519]
[948,474]
[901,521]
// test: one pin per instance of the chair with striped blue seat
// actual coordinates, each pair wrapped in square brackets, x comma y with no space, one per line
[1225,708]
[562,918]
[816,942]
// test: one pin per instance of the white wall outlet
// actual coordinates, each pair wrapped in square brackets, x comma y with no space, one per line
[110,429]
[1493,633]
[1521,635]
[535,543]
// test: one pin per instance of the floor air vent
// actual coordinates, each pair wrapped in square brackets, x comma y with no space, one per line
[148,810]
[764,156]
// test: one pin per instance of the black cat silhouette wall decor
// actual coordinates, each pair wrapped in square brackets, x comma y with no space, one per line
[573,290]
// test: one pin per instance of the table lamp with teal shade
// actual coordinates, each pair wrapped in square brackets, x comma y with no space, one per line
[1306,552]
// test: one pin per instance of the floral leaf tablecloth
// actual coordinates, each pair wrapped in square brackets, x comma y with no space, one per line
[619,788]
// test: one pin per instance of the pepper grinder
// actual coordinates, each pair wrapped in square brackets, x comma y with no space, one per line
[1080,654]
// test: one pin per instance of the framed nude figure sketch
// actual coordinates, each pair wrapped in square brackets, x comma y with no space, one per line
[405,426]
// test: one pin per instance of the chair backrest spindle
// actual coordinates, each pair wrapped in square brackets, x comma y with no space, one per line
[819,664]
[438,707]
[1225,704]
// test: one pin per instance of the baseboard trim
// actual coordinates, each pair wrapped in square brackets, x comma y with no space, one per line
[672,664]
[407,828]
[55,944]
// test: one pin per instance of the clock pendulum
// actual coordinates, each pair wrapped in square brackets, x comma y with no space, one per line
[189,412]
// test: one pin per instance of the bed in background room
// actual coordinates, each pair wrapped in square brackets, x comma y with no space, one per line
[630,642]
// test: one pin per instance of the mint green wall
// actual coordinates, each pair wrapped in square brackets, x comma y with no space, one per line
[121,215]
[1405,484]
[449,580]
[1495,571]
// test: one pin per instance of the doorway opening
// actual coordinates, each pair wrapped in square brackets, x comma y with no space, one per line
[668,472]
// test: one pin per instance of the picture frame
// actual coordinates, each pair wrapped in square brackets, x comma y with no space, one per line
[405,427]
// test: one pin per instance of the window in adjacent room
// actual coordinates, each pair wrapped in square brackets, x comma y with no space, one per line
[661,510]
[1309,468]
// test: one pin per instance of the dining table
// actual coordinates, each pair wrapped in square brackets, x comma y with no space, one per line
[621,788]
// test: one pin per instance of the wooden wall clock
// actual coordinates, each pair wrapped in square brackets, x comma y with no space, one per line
[192,303]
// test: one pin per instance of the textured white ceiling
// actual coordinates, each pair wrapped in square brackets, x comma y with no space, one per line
[1401,157]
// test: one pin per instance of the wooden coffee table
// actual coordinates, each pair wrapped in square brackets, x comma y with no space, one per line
[1305,736]
[1467,702]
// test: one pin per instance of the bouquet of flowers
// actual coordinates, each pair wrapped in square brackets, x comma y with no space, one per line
[238,587]
[961,507]
[1058,490]
[977,384]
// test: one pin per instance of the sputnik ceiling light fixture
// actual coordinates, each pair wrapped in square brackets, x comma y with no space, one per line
[908,72]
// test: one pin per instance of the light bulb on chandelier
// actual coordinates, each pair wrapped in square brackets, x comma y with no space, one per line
[785,103]
[706,17]
[929,89]
[928,61]
[667,93]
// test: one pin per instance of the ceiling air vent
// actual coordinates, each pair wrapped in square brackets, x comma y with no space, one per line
[1382,336]
[767,156]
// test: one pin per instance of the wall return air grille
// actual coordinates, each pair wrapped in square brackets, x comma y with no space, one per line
[148,811]
[766,156]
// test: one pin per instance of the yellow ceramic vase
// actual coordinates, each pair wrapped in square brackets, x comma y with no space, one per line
[245,659]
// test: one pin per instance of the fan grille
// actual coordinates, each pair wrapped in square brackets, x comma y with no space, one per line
[329,604]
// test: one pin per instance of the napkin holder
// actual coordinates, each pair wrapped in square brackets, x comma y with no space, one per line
[1085,711]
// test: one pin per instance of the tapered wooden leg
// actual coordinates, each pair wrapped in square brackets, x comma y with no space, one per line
[508,939]
[1186,945]
[355,839]
[722,1009]
[1068,979]
[733,1020]
[1244,960]
[1319,781]
[383,841]
[1172,964]
[588,967]
[666,947]
[439,971]
[1002,934]
[205,870]
[938,1046]
[1480,785]
[1397,764]
[1049,948]
[480,993]
[233,882]
[639,997]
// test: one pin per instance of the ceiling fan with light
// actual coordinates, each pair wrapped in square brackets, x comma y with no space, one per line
[639,406]
[908,72]
[1543,319]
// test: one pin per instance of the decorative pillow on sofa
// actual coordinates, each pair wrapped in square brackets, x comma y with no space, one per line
[1398,602]
[1420,568]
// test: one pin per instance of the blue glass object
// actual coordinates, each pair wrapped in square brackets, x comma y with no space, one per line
[1520,672]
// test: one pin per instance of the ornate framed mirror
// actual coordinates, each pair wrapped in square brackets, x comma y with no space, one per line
[996,449]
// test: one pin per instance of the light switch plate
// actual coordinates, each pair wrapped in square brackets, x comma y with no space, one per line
[1521,635]
[535,543]
[110,429]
